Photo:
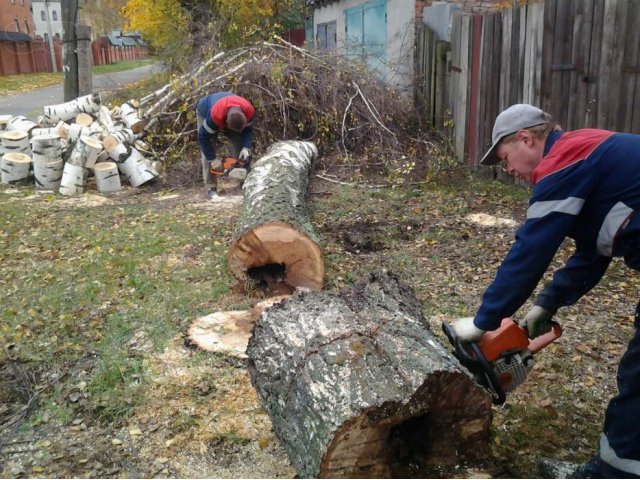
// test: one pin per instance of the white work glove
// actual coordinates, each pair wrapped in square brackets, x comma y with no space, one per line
[537,321]
[466,331]
[216,165]
[245,155]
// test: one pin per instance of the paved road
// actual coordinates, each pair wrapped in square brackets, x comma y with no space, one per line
[30,104]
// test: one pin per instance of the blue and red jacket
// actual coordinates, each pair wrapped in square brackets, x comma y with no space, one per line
[213,109]
[587,187]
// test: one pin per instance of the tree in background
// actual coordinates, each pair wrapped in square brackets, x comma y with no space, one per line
[164,25]
[102,15]
[185,31]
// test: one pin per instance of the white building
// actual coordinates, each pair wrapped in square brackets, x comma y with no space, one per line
[47,17]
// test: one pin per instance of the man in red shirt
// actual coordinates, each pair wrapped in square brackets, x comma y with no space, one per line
[228,113]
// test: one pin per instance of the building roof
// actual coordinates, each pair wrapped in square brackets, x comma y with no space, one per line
[14,37]
[320,3]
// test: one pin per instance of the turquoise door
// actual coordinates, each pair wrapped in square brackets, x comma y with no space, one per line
[366,34]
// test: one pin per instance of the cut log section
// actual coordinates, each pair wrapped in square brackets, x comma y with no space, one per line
[107,177]
[38,132]
[15,141]
[73,179]
[104,115]
[228,332]
[75,131]
[21,124]
[273,228]
[46,148]
[4,119]
[136,169]
[84,119]
[70,110]
[85,152]
[356,385]
[116,148]
[15,168]
[48,175]
[129,116]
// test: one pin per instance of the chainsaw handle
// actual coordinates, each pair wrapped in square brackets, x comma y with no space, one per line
[538,343]
[476,363]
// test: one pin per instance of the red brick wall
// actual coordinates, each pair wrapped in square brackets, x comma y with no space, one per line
[9,10]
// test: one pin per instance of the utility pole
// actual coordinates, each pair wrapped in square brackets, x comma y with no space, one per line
[52,52]
[70,49]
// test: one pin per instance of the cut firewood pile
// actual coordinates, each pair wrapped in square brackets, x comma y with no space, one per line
[72,140]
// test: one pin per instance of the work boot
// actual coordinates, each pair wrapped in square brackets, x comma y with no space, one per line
[212,194]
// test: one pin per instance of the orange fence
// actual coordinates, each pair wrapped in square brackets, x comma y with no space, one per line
[35,56]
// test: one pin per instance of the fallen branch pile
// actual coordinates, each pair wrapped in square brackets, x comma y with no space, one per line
[299,95]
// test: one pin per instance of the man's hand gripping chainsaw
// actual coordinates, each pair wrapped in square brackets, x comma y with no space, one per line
[501,360]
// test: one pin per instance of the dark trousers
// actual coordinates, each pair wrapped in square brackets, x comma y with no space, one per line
[235,142]
[619,452]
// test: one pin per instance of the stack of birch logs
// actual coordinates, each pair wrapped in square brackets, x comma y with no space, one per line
[72,140]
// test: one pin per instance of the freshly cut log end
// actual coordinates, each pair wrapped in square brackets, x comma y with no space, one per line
[15,168]
[274,227]
[278,243]
[84,119]
[356,385]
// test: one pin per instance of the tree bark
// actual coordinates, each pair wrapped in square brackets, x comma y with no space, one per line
[274,227]
[107,177]
[15,141]
[69,110]
[356,385]
[85,152]
[73,179]
[48,175]
[130,118]
[15,168]
[21,124]
[46,148]
[137,169]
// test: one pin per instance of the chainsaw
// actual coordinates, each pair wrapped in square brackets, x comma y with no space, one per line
[503,358]
[228,164]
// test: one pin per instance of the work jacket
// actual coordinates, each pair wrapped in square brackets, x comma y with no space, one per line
[587,187]
[214,109]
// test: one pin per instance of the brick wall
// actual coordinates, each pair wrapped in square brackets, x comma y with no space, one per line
[12,9]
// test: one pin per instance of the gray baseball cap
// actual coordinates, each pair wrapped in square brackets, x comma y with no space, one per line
[514,118]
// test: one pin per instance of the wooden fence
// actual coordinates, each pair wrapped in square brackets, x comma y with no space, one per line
[579,60]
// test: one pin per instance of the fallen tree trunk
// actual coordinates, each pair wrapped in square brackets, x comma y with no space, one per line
[273,228]
[356,385]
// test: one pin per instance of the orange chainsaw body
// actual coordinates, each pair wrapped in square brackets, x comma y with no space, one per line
[228,164]
[510,336]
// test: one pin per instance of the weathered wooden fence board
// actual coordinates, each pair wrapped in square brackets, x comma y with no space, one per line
[577,59]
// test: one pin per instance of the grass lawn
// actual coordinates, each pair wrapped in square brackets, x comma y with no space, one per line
[98,293]
[10,84]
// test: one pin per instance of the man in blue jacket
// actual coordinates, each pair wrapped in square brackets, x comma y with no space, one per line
[586,186]
[228,113]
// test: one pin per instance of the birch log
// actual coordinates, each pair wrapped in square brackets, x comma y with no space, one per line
[15,168]
[125,135]
[21,124]
[274,228]
[104,116]
[38,132]
[4,119]
[73,179]
[84,119]
[85,152]
[48,175]
[107,177]
[15,141]
[69,110]
[137,169]
[75,131]
[357,386]
[116,149]
[129,116]
[46,149]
